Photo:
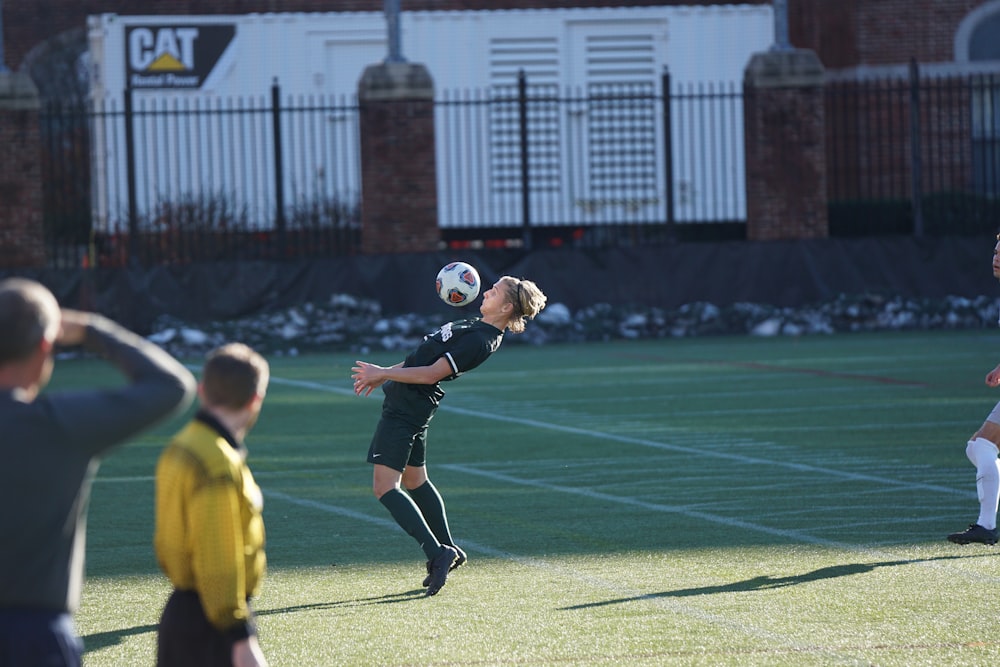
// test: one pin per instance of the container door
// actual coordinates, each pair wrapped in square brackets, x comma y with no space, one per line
[613,122]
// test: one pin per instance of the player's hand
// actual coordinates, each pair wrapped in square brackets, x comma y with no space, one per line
[367,377]
[74,327]
[993,377]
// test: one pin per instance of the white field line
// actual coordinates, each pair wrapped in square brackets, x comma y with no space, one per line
[683,510]
[883,426]
[621,500]
[642,442]
[870,366]
[694,451]
[687,511]
[593,495]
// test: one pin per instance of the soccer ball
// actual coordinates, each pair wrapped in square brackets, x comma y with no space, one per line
[458,283]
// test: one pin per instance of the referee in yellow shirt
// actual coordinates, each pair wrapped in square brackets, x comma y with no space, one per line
[209,535]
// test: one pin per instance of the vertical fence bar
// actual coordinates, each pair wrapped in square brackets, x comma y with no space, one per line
[668,156]
[916,162]
[522,108]
[50,210]
[279,176]
[133,214]
[991,87]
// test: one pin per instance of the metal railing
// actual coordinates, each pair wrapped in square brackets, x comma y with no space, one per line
[919,155]
[165,180]
[174,181]
[612,163]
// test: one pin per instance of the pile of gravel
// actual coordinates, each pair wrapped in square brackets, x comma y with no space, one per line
[345,323]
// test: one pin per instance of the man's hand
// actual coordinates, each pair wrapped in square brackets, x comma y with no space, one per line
[74,327]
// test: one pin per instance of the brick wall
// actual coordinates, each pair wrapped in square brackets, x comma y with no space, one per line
[826,28]
[893,31]
[21,235]
[783,118]
[786,169]
[846,33]
[398,166]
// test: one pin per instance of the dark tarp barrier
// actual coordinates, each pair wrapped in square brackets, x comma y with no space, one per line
[780,273]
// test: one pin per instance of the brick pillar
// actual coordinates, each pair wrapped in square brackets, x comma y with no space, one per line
[398,175]
[22,238]
[784,136]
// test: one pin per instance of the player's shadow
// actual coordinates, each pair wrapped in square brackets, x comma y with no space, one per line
[766,581]
[99,640]
[392,598]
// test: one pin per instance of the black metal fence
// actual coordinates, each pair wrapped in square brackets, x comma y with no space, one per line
[917,155]
[177,180]
[166,180]
[609,164]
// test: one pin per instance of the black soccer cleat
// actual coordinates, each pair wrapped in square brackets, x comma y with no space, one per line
[454,566]
[974,533]
[440,566]
[458,561]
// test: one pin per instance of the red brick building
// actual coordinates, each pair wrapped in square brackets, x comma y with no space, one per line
[912,105]
[854,34]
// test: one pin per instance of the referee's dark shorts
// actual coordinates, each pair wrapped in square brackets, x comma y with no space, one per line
[186,638]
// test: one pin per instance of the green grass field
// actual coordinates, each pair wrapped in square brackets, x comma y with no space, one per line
[720,501]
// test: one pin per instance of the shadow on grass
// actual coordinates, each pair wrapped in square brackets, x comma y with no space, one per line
[100,640]
[393,598]
[766,582]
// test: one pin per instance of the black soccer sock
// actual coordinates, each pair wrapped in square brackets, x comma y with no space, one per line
[409,518]
[431,505]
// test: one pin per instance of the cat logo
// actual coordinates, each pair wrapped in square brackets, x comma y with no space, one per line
[175,56]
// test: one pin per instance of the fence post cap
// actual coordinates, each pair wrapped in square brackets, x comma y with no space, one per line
[395,81]
[792,68]
[18,91]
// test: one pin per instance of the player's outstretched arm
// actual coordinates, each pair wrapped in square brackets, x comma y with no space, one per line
[368,377]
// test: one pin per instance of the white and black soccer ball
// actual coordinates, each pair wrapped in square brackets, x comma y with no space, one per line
[458,283]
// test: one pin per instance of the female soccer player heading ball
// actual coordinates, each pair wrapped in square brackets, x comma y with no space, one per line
[412,394]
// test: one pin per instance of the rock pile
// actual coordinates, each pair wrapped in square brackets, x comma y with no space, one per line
[346,323]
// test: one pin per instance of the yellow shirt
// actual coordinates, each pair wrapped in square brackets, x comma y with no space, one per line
[209,534]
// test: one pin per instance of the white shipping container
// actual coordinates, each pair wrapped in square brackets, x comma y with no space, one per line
[211,63]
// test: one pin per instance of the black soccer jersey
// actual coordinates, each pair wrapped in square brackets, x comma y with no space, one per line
[464,343]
